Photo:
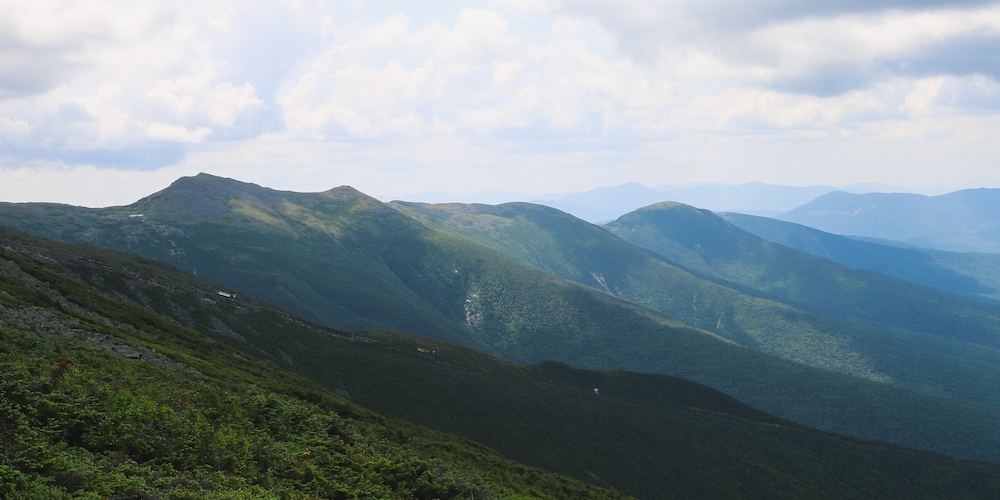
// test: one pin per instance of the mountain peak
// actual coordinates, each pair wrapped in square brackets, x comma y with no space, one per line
[210,197]
[345,193]
[197,197]
[666,205]
[206,184]
[694,227]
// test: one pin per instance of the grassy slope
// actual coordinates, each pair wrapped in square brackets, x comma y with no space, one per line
[105,399]
[973,275]
[378,265]
[649,435]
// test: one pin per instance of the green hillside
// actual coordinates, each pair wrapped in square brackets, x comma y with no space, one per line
[293,249]
[337,253]
[702,241]
[970,274]
[648,435]
[105,399]
[857,323]
[923,338]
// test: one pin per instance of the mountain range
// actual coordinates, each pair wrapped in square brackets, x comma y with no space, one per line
[610,202]
[971,274]
[962,221]
[109,364]
[665,290]
[765,296]
[529,283]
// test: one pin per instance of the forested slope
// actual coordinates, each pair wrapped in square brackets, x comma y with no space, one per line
[648,435]
[346,257]
[104,399]
[717,277]
[970,274]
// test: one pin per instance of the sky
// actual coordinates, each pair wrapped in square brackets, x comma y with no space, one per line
[103,102]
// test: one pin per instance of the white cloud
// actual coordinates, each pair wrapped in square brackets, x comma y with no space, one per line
[527,7]
[555,94]
[83,185]
[166,132]
[924,97]
[436,70]
[474,77]
[126,70]
[13,128]
[45,42]
[815,48]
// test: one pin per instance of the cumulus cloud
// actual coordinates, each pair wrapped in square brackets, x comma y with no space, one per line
[94,81]
[818,48]
[392,79]
[45,42]
[474,77]
[553,90]
[634,67]
[177,133]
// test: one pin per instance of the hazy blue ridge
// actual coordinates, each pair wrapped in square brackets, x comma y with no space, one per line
[970,274]
[963,221]
[608,203]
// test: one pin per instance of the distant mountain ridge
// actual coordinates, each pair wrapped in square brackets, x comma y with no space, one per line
[970,274]
[608,203]
[961,221]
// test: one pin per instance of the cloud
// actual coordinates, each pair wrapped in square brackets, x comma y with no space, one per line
[819,48]
[965,54]
[476,78]
[95,81]
[390,79]
[43,43]
[177,133]
[951,95]
[83,185]
[544,93]
[481,77]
